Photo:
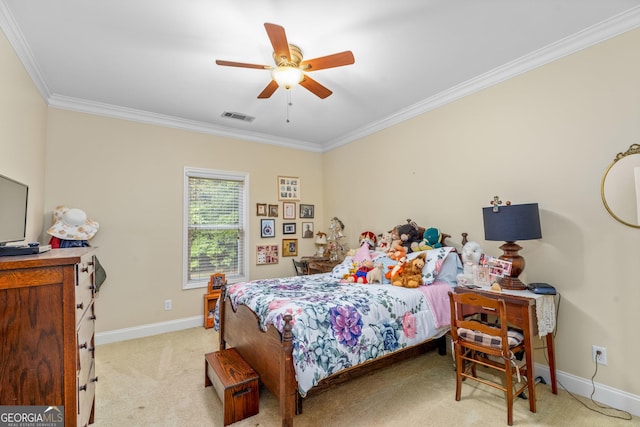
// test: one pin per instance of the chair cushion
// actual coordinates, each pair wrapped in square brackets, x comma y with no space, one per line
[515,337]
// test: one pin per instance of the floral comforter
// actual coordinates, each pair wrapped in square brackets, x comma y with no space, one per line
[339,325]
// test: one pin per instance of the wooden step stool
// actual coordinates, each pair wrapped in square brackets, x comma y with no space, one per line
[235,382]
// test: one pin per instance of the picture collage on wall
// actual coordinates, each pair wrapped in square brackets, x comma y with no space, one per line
[289,190]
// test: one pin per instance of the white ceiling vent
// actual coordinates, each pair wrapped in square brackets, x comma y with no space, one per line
[238,116]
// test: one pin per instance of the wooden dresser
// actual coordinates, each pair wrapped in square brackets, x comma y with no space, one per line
[47,332]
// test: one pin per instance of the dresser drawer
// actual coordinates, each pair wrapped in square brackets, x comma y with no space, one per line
[84,284]
[85,336]
[86,397]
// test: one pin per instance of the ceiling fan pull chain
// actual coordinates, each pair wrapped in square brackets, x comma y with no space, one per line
[289,104]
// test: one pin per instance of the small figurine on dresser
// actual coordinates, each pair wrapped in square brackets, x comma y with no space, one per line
[336,239]
[71,228]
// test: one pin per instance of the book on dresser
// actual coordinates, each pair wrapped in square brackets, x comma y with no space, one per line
[47,327]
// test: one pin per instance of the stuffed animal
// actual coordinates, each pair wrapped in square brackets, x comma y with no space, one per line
[360,276]
[431,239]
[408,233]
[471,253]
[411,274]
[369,238]
[394,245]
[375,275]
[397,253]
[384,241]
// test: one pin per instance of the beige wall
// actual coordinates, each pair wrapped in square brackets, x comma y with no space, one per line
[547,137]
[128,176]
[23,120]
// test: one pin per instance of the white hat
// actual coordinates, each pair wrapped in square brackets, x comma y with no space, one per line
[72,224]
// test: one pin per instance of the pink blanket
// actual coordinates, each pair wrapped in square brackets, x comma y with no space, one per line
[437,295]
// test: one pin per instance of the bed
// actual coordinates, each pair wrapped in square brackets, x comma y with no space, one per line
[303,334]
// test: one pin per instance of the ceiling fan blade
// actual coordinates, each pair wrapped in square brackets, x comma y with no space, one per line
[243,65]
[278,39]
[315,87]
[329,61]
[268,91]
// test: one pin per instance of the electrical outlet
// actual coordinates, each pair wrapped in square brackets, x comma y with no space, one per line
[167,304]
[599,354]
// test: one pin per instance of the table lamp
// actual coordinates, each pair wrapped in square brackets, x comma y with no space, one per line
[321,242]
[512,223]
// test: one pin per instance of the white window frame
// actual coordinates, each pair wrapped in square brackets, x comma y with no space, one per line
[213,174]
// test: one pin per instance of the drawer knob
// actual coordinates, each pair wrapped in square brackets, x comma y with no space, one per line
[94,380]
[80,306]
[83,387]
[83,345]
[93,317]
[92,349]
[85,269]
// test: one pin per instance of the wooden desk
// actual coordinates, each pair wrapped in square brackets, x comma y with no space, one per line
[521,313]
[319,264]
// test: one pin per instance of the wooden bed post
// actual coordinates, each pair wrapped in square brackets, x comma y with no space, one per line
[288,389]
[221,311]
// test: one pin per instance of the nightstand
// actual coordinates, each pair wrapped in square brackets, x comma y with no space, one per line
[210,300]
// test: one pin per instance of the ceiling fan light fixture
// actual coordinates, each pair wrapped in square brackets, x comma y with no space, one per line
[287,77]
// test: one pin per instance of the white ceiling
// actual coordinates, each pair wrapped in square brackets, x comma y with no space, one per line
[154,60]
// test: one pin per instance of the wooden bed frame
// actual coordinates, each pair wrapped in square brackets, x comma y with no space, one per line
[270,355]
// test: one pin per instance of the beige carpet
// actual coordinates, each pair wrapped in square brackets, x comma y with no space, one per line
[159,381]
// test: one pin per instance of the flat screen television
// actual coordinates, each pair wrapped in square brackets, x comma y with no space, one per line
[13,210]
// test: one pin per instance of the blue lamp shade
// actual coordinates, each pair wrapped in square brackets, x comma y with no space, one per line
[512,223]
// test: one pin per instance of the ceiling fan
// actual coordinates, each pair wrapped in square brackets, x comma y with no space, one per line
[290,67]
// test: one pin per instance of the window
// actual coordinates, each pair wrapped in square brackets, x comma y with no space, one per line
[215,234]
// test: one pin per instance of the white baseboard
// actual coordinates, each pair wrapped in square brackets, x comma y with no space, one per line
[604,394]
[148,330]
[612,397]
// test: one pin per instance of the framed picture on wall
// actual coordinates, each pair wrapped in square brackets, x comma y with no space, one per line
[266,254]
[261,209]
[288,188]
[289,228]
[273,210]
[307,230]
[289,247]
[267,228]
[306,211]
[289,210]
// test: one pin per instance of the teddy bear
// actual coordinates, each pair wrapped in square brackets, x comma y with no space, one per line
[431,239]
[408,234]
[471,253]
[411,273]
[375,275]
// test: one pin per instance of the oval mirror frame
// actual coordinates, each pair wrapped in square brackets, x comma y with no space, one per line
[621,162]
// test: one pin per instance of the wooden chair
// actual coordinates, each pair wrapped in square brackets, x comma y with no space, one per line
[301,267]
[491,346]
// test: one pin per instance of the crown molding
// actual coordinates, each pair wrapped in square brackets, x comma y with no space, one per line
[588,37]
[130,114]
[20,46]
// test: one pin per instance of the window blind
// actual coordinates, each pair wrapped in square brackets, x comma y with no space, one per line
[215,226]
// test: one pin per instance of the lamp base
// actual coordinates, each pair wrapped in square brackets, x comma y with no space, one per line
[512,283]
[510,253]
